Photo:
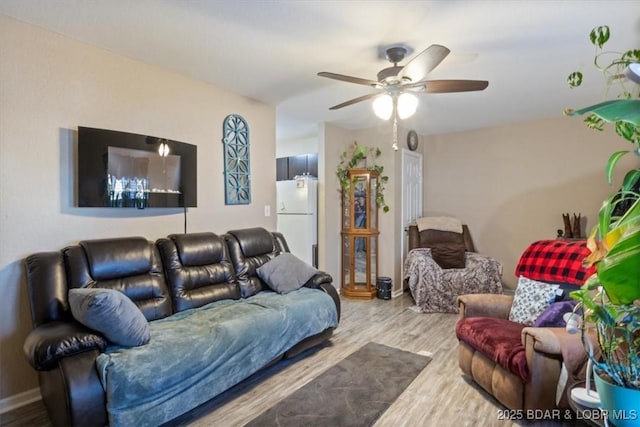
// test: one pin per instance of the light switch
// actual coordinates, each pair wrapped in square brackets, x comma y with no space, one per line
[267,210]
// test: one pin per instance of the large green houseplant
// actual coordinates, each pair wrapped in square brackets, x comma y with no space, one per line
[610,299]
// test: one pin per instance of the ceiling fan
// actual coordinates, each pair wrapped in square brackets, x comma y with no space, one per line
[396,81]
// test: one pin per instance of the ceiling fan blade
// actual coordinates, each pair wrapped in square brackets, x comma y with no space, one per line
[427,60]
[348,79]
[445,86]
[354,101]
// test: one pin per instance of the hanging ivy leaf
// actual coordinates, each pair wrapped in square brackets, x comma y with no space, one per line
[632,55]
[574,79]
[599,35]
[628,131]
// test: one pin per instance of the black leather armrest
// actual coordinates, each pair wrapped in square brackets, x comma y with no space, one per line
[318,279]
[329,289]
[72,392]
[50,342]
[324,282]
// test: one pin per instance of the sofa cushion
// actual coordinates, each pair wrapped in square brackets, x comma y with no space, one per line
[198,270]
[531,299]
[254,241]
[196,249]
[112,313]
[249,249]
[113,258]
[107,264]
[286,273]
[498,339]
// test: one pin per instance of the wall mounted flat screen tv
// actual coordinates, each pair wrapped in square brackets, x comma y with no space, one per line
[121,170]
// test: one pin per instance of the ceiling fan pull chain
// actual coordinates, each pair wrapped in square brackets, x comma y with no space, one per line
[395,131]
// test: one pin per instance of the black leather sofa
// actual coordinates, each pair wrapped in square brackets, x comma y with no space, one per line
[170,275]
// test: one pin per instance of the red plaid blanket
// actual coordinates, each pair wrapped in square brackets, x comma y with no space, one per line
[556,261]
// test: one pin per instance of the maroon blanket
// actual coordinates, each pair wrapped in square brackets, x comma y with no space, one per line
[498,339]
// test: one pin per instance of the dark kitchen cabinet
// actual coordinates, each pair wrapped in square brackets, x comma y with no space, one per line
[297,165]
[292,166]
[312,164]
[282,169]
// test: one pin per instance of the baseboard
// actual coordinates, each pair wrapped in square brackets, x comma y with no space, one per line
[17,400]
[397,293]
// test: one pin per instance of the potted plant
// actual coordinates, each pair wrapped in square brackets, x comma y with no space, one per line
[610,298]
[363,157]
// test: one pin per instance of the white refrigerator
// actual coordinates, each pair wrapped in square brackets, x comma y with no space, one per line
[297,215]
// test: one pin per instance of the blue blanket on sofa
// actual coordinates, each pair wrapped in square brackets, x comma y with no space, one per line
[197,354]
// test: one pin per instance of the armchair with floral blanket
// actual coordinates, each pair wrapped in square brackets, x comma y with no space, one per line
[442,264]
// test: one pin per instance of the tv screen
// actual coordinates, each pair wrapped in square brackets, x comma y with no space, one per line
[120,169]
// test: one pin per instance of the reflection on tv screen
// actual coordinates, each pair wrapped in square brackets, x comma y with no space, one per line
[133,174]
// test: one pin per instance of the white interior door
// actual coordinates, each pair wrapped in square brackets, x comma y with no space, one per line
[411,194]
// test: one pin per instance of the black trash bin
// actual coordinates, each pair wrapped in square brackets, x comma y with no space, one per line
[383,286]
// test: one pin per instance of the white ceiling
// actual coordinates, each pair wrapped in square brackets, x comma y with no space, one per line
[271,50]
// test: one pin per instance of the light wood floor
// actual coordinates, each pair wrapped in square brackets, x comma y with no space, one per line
[439,396]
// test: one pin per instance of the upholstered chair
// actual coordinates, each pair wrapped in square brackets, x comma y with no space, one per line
[519,365]
[441,265]
[516,346]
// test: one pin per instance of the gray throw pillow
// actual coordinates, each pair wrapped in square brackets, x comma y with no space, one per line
[286,273]
[111,313]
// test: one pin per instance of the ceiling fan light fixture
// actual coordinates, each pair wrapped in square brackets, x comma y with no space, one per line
[407,105]
[383,106]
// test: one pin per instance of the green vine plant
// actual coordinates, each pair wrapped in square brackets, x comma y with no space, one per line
[624,110]
[354,157]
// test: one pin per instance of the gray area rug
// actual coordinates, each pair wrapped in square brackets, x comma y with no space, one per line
[354,392]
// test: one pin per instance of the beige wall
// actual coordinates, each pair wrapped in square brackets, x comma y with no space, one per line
[332,141]
[512,183]
[50,85]
[296,146]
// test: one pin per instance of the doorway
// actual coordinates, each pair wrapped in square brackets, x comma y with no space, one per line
[412,185]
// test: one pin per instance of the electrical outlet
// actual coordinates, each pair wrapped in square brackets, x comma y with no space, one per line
[267,210]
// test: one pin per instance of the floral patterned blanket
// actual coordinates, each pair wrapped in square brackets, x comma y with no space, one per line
[435,290]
